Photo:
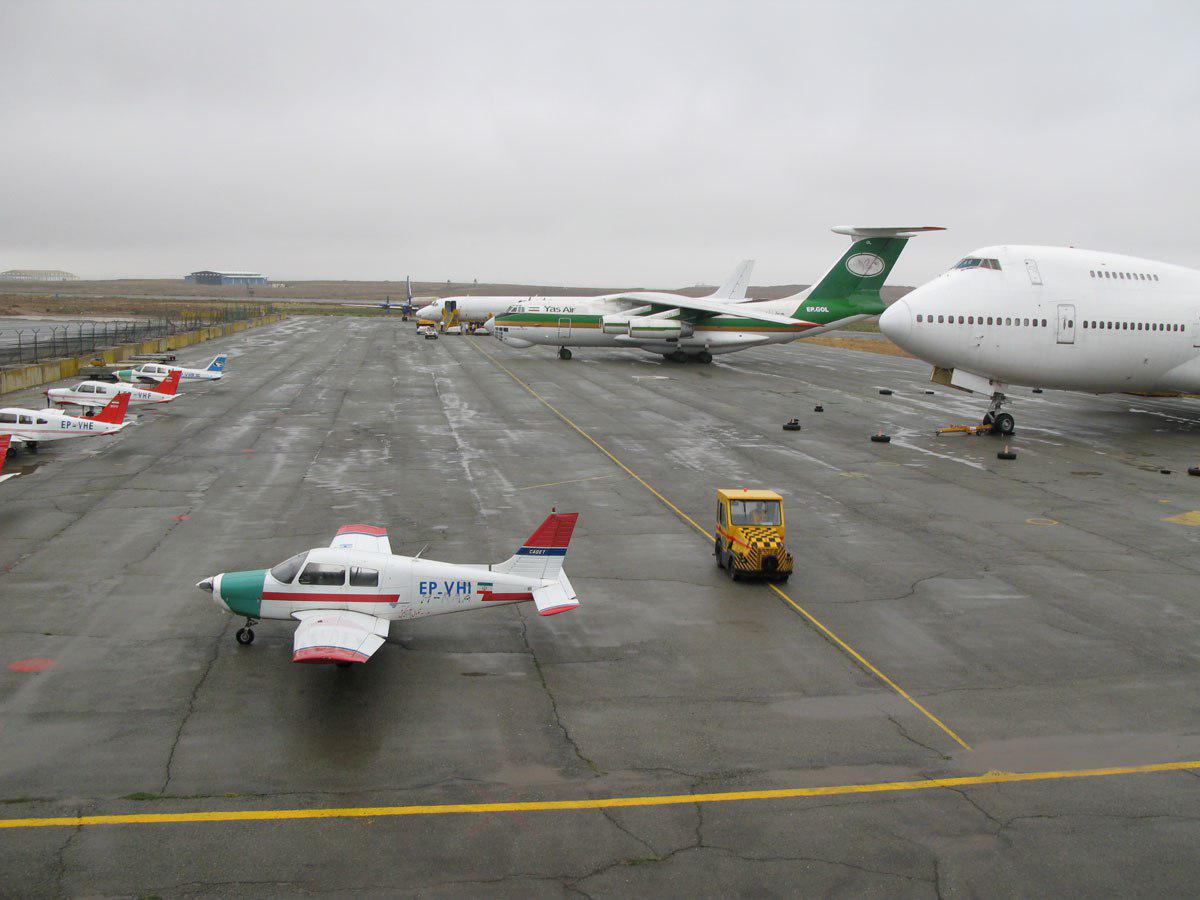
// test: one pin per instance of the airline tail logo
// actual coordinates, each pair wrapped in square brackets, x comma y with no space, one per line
[217,365]
[865,265]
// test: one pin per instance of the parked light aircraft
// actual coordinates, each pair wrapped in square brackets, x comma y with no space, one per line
[1054,317]
[152,373]
[481,310]
[32,426]
[683,329]
[346,595]
[98,393]
[5,440]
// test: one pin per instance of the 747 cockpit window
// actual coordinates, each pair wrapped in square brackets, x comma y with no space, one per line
[286,570]
[755,512]
[975,262]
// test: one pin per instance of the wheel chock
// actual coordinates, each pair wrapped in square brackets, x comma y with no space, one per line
[881,438]
[1006,453]
[887,392]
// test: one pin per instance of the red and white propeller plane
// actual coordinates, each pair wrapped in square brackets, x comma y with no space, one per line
[5,439]
[98,393]
[32,426]
[345,596]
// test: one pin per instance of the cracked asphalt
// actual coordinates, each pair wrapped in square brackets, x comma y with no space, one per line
[1042,608]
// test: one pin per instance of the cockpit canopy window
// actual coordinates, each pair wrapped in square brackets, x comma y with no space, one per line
[975,262]
[755,512]
[286,570]
[326,574]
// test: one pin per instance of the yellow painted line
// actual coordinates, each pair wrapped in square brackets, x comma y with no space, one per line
[372,812]
[530,487]
[820,626]
[1187,518]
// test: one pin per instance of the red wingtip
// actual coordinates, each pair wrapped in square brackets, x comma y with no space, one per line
[168,385]
[555,531]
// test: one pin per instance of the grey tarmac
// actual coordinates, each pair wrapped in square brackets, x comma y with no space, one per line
[1043,609]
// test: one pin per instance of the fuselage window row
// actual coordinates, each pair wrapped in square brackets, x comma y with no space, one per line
[1124,276]
[1042,323]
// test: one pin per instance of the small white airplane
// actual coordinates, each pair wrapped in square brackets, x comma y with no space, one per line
[1054,317]
[98,393]
[346,595]
[481,310]
[153,373]
[5,440]
[32,426]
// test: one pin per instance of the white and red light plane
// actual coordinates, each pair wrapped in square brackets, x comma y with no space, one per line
[32,426]
[346,595]
[98,393]
[5,439]
[153,373]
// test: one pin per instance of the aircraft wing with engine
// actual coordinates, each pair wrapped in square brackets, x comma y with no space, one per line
[706,306]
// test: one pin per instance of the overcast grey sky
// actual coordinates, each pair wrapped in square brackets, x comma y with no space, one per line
[588,143]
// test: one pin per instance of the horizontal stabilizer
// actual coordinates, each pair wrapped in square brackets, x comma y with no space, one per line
[864,231]
[556,597]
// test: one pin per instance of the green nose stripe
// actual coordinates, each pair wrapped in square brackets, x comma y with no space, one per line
[242,591]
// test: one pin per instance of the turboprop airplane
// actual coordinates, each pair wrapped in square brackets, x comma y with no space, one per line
[1054,317]
[345,596]
[481,310]
[97,393]
[683,329]
[32,426]
[153,373]
[5,439]
[407,308]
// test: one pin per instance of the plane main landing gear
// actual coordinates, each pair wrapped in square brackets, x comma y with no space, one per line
[999,422]
[678,356]
[245,635]
[564,353]
[703,357]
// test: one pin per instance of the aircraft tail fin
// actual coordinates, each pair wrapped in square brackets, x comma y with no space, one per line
[217,364]
[5,440]
[114,412]
[736,284]
[861,271]
[542,555]
[169,385]
[408,287]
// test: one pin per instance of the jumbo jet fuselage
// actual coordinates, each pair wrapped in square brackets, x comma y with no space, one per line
[1056,317]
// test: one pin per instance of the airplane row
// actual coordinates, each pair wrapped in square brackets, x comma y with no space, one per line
[1002,317]
[102,405]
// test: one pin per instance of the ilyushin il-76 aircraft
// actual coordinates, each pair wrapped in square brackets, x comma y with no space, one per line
[1054,317]
[152,373]
[683,329]
[480,310]
[32,426]
[345,596]
[98,393]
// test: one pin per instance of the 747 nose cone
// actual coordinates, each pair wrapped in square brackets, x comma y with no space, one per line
[896,322]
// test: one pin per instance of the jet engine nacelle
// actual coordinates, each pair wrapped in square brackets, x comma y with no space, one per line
[614,324]
[660,329]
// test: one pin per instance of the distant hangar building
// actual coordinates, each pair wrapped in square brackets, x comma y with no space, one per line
[211,276]
[37,275]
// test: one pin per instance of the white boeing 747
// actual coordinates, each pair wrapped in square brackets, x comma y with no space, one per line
[1054,317]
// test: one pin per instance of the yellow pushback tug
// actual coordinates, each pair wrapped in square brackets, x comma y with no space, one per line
[751,534]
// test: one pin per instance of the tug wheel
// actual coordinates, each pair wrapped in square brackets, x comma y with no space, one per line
[245,636]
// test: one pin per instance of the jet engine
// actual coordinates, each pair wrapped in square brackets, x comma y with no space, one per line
[614,324]
[659,329]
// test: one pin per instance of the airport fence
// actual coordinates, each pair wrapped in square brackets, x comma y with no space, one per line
[37,343]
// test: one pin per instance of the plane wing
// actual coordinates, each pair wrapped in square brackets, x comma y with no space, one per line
[709,306]
[337,635]
[370,538]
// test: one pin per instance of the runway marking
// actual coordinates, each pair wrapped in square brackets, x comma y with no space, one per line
[817,623]
[530,487]
[1040,520]
[1187,518]
[445,809]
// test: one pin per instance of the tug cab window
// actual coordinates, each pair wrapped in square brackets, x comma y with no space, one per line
[360,577]
[325,574]
[286,570]
[755,512]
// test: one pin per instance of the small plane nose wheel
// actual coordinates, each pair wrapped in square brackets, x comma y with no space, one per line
[245,635]
[564,353]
